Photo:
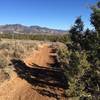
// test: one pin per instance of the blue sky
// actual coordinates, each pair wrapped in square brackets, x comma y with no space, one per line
[59,14]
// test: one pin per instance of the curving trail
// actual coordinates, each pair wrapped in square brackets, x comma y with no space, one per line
[34,83]
[41,57]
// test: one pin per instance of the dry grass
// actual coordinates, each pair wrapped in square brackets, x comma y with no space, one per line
[17,49]
[14,49]
[3,76]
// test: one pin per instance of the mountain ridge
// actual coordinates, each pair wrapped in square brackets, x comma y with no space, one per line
[19,28]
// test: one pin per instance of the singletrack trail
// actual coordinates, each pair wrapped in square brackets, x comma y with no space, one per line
[35,78]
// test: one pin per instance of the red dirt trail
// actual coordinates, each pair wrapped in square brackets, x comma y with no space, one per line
[41,56]
[18,88]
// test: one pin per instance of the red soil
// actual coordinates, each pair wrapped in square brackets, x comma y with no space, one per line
[20,89]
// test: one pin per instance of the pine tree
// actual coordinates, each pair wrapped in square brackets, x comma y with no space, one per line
[76,33]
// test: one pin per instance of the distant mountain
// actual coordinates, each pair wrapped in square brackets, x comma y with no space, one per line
[22,29]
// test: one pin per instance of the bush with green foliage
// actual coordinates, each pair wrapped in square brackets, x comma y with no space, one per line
[82,60]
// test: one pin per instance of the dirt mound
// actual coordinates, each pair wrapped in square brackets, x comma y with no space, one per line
[34,78]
